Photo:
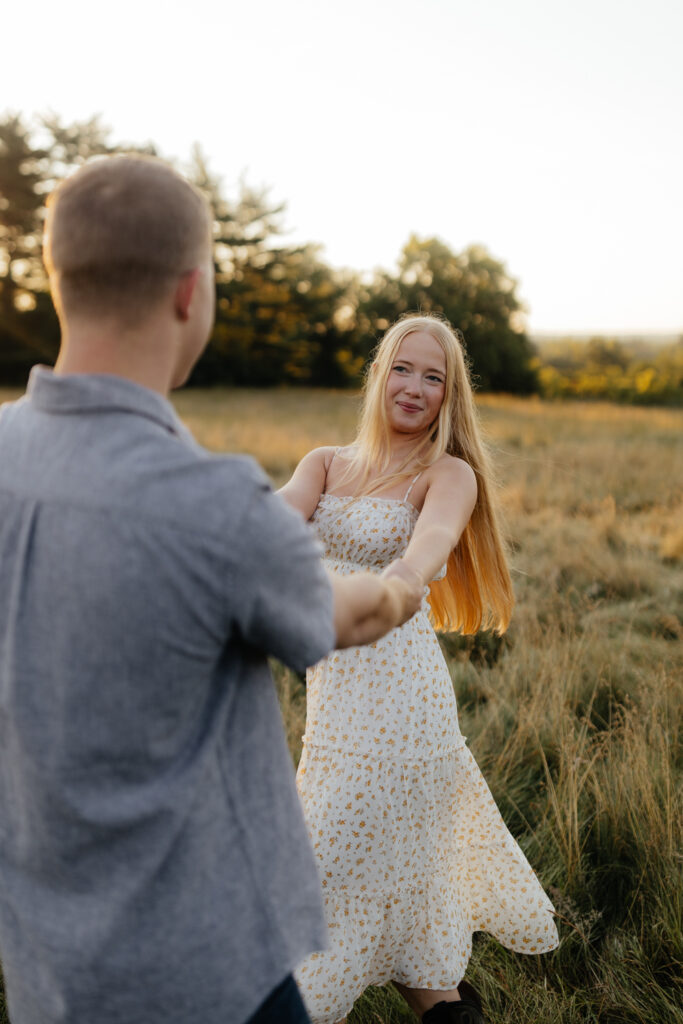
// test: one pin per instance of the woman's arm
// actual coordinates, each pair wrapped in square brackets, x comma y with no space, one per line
[365,605]
[449,502]
[307,482]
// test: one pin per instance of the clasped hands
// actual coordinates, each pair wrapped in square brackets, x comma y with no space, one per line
[367,605]
[408,585]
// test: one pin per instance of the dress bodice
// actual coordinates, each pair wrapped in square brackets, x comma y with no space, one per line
[366,532]
[363,533]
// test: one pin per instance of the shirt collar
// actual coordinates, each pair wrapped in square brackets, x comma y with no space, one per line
[100,392]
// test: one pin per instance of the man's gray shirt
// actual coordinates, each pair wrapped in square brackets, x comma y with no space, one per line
[154,863]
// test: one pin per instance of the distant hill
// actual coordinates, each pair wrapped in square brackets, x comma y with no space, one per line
[658,339]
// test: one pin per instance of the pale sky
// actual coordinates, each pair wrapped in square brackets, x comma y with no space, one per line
[550,132]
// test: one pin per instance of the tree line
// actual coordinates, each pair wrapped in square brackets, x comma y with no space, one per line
[605,368]
[283,315]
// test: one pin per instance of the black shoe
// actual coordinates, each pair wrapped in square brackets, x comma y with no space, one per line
[467,991]
[466,1010]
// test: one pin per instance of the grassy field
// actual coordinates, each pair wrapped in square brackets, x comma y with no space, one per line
[574,716]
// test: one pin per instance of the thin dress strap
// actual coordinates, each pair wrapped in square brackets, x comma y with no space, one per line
[334,453]
[412,484]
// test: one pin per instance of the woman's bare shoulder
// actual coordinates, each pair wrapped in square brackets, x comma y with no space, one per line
[451,469]
[451,483]
[307,483]
[320,456]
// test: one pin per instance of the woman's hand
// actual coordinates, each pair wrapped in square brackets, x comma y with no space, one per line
[408,592]
[366,606]
[402,571]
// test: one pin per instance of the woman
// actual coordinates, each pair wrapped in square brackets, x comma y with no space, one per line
[412,851]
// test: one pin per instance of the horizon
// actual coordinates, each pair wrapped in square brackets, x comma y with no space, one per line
[630,337]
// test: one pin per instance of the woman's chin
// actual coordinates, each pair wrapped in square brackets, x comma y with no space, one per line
[409,428]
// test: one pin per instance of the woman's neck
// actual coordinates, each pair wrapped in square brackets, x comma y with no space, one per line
[404,450]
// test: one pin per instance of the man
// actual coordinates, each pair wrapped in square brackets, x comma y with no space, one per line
[154,864]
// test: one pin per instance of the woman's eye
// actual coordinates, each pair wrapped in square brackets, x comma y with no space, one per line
[399,369]
[434,380]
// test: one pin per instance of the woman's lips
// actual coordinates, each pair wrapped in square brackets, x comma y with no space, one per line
[408,407]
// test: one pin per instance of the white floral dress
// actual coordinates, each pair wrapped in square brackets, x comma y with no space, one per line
[412,851]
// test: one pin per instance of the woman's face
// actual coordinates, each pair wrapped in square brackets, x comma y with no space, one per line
[416,384]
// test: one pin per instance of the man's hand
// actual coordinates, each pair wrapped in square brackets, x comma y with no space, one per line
[367,606]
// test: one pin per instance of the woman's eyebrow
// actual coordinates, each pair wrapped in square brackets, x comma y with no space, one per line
[407,362]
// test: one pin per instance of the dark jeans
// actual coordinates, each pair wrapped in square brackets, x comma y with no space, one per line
[283,1006]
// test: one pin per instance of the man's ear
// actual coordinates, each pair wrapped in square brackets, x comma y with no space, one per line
[184,293]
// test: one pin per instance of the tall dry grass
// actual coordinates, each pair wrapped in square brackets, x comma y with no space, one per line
[575,715]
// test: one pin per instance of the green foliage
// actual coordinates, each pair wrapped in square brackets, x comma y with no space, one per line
[603,368]
[475,292]
[276,304]
[28,328]
[34,158]
[283,315]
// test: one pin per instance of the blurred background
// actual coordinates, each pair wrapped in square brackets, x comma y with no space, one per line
[516,167]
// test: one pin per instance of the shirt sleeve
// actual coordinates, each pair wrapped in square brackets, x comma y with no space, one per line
[283,595]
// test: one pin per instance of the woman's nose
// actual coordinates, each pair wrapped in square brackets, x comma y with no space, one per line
[413,384]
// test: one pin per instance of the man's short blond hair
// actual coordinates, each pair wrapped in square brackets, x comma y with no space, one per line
[120,232]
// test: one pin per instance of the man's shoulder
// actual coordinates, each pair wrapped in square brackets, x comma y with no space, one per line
[139,469]
[11,408]
[198,488]
[230,471]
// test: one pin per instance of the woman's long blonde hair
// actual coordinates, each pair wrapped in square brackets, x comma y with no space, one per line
[476,592]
